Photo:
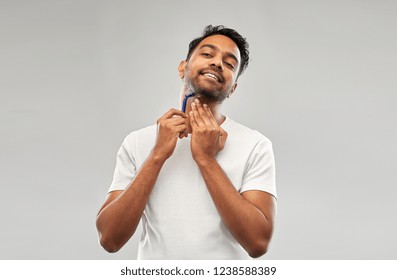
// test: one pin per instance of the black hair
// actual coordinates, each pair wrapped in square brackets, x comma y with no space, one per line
[240,41]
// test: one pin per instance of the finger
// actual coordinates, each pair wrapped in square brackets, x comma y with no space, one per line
[222,133]
[180,131]
[183,134]
[199,121]
[211,117]
[222,138]
[193,122]
[175,121]
[203,115]
[172,122]
[172,112]
[180,128]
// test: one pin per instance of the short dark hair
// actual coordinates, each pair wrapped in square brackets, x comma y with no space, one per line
[240,41]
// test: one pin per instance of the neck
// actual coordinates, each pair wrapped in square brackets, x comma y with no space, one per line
[215,107]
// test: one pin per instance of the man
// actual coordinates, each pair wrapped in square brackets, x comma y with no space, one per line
[203,184]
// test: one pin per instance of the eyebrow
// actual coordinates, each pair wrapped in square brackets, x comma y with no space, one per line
[228,54]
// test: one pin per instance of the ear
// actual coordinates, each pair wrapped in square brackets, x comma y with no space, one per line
[182,68]
[233,89]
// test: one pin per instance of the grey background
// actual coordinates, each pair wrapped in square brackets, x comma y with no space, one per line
[77,76]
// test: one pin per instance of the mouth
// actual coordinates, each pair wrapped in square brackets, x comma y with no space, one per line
[212,75]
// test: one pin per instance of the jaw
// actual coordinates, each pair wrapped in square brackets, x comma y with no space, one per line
[207,88]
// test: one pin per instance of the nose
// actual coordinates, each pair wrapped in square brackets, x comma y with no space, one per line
[217,62]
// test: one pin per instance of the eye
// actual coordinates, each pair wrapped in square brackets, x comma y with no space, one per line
[231,66]
[206,54]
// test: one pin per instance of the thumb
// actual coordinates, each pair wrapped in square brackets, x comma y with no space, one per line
[222,138]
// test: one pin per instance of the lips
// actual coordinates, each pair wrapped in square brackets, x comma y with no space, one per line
[213,75]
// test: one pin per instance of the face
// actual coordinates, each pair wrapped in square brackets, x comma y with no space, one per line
[212,69]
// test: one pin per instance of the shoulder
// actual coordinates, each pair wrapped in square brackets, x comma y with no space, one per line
[243,133]
[140,135]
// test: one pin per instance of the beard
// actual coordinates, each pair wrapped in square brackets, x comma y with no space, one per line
[205,90]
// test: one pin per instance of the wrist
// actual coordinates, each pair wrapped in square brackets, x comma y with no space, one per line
[204,160]
[157,157]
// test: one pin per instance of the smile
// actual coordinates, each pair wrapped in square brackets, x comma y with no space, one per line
[211,76]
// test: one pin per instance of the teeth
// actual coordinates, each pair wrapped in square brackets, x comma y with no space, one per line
[211,76]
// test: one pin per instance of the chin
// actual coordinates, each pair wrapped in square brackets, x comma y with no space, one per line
[211,96]
[208,91]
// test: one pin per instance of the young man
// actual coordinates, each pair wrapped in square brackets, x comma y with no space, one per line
[203,184]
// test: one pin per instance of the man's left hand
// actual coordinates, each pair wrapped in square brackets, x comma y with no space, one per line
[208,138]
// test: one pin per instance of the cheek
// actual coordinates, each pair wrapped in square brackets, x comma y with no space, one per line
[231,78]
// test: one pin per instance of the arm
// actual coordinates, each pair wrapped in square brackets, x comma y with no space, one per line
[248,216]
[119,216]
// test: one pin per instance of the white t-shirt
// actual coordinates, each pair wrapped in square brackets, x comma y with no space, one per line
[180,220]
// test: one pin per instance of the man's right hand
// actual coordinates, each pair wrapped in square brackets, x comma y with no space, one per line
[119,216]
[170,126]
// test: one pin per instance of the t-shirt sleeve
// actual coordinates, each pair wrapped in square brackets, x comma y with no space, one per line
[125,168]
[260,172]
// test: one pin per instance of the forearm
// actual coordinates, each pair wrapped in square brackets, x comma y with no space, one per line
[118,220]
[249,226]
